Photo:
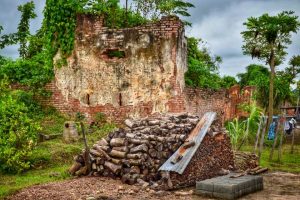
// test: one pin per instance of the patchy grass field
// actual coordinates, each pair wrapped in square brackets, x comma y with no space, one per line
[11,183]
[289,162]
[50,159]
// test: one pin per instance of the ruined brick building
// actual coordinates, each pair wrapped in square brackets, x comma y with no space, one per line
[131,72]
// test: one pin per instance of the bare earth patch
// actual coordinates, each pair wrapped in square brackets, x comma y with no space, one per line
[277,186]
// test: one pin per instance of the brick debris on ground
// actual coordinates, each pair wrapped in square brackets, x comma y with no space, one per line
[277,185]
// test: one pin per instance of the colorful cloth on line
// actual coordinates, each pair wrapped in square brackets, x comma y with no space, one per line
[286,125]
[271,133]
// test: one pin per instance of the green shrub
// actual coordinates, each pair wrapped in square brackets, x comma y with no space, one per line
[236,131]
[18,132]
[30,72]
[100,119]
[242,131]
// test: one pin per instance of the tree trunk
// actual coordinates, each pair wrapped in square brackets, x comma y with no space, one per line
[126,13]
[271,91]
[261,144]
[271,101]
[260,127]
[293,131]
[293,141]
[280,146]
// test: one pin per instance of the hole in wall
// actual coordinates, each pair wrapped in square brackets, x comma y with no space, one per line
[67,125]
[120,99]
[114,53]
[88,99]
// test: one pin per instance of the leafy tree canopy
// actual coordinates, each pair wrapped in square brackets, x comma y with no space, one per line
[259,76]
[253,75]
[203,67]
[267,38]
[294,69]
[27,13]
[228,81]
[153,9]
[197,51]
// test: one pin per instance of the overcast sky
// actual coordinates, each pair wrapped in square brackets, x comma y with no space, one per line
[218,22]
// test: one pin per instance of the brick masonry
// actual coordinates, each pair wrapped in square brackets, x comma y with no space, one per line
[148,81]
[194,100]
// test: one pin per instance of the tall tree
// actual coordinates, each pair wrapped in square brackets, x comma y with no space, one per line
[27,13]
[202,66]
[267,38]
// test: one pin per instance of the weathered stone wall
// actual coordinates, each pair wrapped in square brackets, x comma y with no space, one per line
[195,101]
[147,78]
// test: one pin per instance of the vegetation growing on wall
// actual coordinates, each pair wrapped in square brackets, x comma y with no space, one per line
[154,9]
[58,34]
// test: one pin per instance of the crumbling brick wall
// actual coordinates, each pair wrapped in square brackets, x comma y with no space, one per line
[199,101]
[238,97]
[131,72]
[194,100]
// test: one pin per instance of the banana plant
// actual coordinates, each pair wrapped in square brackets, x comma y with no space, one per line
[236,130]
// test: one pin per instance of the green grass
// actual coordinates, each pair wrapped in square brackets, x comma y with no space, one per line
[12,183]
[50,159]
[289,162]
[53,124]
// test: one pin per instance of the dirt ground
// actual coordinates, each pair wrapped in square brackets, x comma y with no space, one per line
[277,185]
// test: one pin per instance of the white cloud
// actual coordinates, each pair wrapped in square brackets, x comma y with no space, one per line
[218,22]
[222,25]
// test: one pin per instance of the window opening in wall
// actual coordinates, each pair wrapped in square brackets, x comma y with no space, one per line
[88,99]
[120,99]
[114,53]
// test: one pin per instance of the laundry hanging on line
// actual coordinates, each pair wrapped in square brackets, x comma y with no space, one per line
[289,126]
[271,133]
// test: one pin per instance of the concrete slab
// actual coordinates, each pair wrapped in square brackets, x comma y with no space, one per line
[225,187]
